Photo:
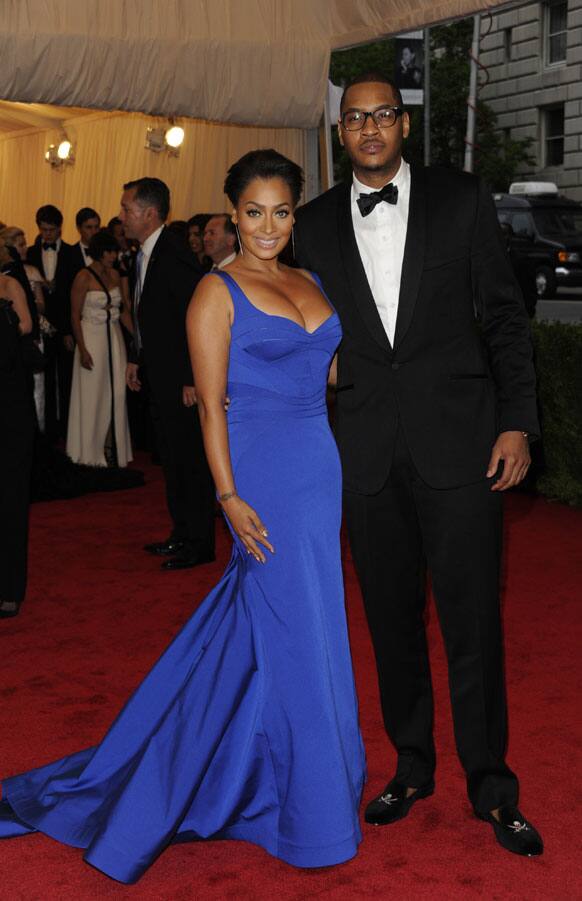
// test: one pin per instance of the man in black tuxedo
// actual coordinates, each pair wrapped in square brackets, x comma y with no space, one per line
[163,282]
[54,259]
[435,403]
[88,223]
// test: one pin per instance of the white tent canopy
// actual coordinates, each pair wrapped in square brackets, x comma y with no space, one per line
[239,74]
[259,62]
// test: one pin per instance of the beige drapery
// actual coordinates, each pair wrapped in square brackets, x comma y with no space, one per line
[110,151]
[260,62]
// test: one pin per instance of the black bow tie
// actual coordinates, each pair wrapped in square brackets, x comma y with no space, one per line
[367,202]
[49,246]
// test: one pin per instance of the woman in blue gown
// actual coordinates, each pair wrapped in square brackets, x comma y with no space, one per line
[247,726]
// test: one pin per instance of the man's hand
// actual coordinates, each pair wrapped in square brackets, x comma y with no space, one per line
[133,382]
[69,343]
[513,449]
[189,396]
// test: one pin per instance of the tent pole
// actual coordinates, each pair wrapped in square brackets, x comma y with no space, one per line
[427,96]
[312,181]
[327,161]
[472,101]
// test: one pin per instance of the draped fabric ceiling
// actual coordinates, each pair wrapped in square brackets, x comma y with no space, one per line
[257,63]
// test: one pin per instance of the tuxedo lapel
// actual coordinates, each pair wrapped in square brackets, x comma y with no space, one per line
[356,274]
[62,262]
[158,246]
[35,258]
[414,251]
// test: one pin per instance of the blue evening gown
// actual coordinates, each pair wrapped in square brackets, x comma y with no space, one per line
[247,726]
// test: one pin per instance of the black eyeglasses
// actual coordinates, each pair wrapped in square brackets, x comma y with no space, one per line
[385,117]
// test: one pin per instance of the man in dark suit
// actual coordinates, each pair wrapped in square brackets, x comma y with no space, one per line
[53,258]
[88,223]
[163,282]
[435,403]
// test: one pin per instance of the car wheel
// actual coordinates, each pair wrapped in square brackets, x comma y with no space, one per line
[545,282]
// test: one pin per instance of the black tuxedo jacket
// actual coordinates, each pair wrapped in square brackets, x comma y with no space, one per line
[461,367]
[171,277]
[77,259]
[58,301]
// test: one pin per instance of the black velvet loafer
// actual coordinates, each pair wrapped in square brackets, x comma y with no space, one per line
[165,548]
[514,832]
[187,560]
[393,805]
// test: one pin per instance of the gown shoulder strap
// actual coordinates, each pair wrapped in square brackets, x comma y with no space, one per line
[242,305]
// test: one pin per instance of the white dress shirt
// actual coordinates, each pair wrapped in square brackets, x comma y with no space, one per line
[381,236]
[50,259]
[85,253]
[229,259]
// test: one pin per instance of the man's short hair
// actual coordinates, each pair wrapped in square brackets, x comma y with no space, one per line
[229,227]
[84,215]
[371,77]
[199,219]
[151,192]
[50,215]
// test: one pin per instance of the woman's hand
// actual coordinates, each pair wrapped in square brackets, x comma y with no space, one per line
[248,526]
[86,359]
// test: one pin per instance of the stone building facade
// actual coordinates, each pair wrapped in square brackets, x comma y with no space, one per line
[533,56]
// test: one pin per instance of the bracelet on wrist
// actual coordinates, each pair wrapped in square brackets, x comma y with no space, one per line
[227,496]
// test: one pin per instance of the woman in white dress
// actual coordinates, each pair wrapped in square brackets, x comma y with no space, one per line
[98,431]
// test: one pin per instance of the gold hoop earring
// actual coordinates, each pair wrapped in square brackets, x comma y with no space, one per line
[240,247]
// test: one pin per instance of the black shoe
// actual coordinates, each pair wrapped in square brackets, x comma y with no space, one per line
[8,608]
[165,548]
[514,832]
[393,805]
[187,560]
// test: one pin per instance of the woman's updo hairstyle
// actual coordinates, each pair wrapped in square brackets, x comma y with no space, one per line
[264,164]
[101,242]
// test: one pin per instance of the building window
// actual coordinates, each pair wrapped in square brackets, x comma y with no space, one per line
[507,43]
[553,126]
[556,32]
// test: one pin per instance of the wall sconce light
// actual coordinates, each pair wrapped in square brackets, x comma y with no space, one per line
[170,139]
[174,139]
[59,154]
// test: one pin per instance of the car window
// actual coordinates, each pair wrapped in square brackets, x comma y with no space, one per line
[559,222]
[522,224]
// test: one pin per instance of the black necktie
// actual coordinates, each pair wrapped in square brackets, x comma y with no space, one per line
[49,246]
[367,202]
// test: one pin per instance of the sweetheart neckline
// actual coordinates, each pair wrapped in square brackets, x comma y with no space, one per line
[276,315]
[292,321]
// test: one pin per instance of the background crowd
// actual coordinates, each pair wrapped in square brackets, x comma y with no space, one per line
[67,327]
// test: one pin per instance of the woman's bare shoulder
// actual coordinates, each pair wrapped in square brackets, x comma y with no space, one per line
[82,278]
[211,295]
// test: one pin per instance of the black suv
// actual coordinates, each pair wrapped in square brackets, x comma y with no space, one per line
[546,232]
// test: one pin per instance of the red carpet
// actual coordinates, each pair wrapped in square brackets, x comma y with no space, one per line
[99,612]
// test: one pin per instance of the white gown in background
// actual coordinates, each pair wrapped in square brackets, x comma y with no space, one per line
[98,395]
